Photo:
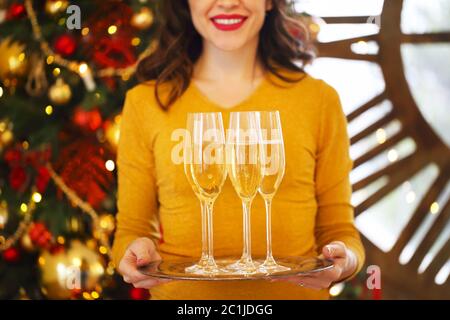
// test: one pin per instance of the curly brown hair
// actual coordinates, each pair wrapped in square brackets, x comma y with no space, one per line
[180,45]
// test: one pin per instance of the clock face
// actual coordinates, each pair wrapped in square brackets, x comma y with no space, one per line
[389,62]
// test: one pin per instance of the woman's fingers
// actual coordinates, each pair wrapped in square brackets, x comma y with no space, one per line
[135,277]
[334,250]
[131,274]
[139,253]
[127,268]
[141,249]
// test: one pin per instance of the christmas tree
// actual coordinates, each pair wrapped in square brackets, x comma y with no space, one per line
[64,69]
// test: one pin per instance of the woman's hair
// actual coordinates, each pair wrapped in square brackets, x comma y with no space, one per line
[180,45]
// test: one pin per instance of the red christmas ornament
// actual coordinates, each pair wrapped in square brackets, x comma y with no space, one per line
[12,156]
[114,52]
[65,45]
[42,179]
[110,13]
[111,50]
[139,294]
[40,235]
[17,178]
[81,164]
[11,255]
[19,160]
[87,120]
[16,11]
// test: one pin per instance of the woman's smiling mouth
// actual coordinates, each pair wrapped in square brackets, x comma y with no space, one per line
[230,22]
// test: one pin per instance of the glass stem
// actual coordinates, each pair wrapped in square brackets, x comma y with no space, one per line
[204,230]
[247,252]
[209,210]
[268,203]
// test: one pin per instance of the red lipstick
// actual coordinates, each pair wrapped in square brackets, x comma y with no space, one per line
[228,22]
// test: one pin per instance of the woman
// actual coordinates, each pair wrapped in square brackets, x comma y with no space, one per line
[223,56]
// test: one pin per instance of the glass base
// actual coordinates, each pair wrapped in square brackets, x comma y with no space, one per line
[243,266]
[204,266]
[176,269]
[271,266]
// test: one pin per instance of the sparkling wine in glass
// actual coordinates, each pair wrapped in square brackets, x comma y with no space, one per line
[272,172]
[206,171]
[244,169]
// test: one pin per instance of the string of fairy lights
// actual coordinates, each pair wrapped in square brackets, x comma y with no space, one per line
[81,68]
[27,210]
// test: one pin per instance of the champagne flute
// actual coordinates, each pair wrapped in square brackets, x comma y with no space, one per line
[272,172]
[206,173]
[244,168]
[203,263]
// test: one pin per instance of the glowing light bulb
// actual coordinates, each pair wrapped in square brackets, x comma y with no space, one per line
[37,197]
[49,110]
[434,208]
[112,29]
[110,166]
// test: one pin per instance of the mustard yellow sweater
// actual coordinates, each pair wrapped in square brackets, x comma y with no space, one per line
[311,208]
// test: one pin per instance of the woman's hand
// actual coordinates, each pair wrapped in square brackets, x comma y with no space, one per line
[345,264]
[139,253]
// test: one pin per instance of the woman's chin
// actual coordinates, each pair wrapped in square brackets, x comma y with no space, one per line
[228,45]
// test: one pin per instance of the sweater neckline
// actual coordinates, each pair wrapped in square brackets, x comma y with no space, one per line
[199,94]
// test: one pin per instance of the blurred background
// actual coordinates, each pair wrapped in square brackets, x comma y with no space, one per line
[62,91]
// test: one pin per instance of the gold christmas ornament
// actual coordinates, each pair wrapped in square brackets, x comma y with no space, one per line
[143,19]
[112,131]
[13,60]
[6,138]
[75,224]
[78,269]
[60,92]
[3,214]
[53,7]
[26,243]
[6,134]
[107,223]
